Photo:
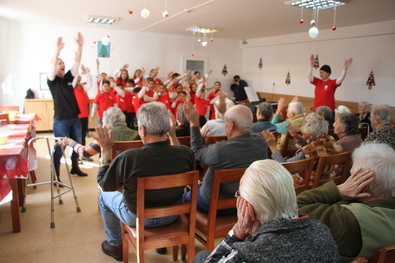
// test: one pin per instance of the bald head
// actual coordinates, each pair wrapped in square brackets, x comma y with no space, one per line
[241,116]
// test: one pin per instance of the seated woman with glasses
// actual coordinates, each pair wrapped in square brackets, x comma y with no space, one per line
[269,228]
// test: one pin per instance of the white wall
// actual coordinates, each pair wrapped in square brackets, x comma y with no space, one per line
[26,50]
[371,47]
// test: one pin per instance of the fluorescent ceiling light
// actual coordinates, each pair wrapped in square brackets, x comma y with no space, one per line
[102,20]
[316,4]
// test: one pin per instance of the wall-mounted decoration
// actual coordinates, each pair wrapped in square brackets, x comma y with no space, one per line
[225,71]
[260,63]
[288,79]
[103,50]
[370,82]
[316,62]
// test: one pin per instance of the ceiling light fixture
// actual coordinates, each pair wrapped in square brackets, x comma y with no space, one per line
[204,31]
[316,4]
[101,20]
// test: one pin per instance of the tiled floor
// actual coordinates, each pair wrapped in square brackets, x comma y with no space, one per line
[77,237]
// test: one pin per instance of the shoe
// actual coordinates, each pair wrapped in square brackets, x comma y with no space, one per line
[161,251]
[75,169]
[87,159]
[113,251]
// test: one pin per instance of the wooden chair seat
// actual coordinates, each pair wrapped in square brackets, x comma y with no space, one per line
[384,255]
[222,222]
[303,168]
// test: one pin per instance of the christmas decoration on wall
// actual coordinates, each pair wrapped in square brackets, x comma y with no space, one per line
[288,79]
[224,70]
[316,62]
[370,82]
[260,63]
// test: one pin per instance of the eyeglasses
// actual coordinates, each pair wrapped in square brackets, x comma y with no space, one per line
[237,194]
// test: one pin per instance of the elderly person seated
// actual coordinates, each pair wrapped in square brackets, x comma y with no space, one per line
[380,118]
[295,118]
[360,212]
[114,119]
[263,115]
[326,113]
[364,115]
[314,143]
[267,215]
[346,128]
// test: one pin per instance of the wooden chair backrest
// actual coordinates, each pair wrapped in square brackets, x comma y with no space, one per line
[363,132]
[384,255]
[286,151]
[4,117]
[331,132]
[214,139]
[125,145]
[331,160]
[184,140]
[210,225]
[9,108]
[303,168]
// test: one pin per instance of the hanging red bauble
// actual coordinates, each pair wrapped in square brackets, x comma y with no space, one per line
[333,28]
[130,11]
[193,54]
[211,39]
[94,42]
[301,21]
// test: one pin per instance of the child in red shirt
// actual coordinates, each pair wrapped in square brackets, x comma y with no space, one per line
[201,104]
[103,101]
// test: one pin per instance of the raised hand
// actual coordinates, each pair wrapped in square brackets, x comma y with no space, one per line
[79,39]
[59,44]
[347,63]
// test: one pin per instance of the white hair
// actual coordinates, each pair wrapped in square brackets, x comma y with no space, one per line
[342,109]
[366,105]
[295,107]
[242,117]
[315,125]
[380,159]
[114,116]
[269,188]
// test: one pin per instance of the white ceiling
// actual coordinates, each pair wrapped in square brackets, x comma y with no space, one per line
[237,19]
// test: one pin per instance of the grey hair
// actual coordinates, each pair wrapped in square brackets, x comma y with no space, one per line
[114,116]
[266,110]
[154,117]
[315,125]
[221,109]
[380,159]
[366,105]
[182,119]
[349,122]
[383,112]
[242,117]
[326,111]
[296,107]
[269,188]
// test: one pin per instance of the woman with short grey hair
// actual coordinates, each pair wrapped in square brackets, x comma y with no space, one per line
[363,114]
[314,132]
[346,128]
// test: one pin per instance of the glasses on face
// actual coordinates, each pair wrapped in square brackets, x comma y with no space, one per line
[237,194]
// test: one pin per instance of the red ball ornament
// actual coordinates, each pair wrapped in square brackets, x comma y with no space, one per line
[193,54]
[94,42]
[211,39]
[130,11]
[301,21]
[333,28]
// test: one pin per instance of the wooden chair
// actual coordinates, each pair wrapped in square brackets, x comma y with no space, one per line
[184,140]
[125,145]
[363,132]
[331,132]
[4,118]
[214,139]
[211,226]
[286,151]
[384,255]
[9,108]
[326,165]
[303,168]
[181,232]
[277,135]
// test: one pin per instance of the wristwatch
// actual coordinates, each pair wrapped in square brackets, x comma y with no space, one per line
[231,233]
[104,161]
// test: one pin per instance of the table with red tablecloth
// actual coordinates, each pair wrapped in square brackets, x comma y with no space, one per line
[13,161]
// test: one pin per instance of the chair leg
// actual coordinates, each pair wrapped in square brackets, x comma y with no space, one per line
[125,245]
[184,252]
[175,253]
[33,177]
